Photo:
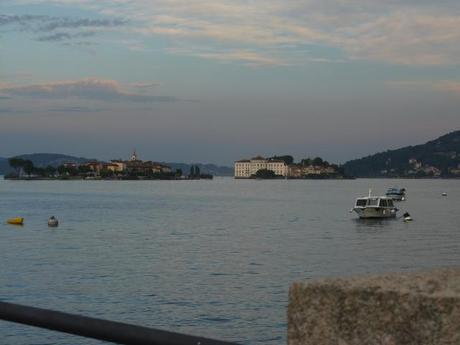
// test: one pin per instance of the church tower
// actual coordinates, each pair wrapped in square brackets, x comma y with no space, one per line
[134,156]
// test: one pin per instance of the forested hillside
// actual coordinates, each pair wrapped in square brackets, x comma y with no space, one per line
[436,158]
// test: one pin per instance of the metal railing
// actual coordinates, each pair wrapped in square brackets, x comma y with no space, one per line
[116,332]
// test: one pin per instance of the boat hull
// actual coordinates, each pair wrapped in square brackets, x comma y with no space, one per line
[52,223]
[16,221]
[375,212]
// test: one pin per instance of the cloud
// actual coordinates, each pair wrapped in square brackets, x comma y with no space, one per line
[69,28]
[64,36]
[10,111]
[68,23]
[48,23]
[76,109]
[141,85]
[246,57]
[89,89]
[410,32]
[450,86]
[16,75]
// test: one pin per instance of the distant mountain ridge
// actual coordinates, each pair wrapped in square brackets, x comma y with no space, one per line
[436,158]
[56,159]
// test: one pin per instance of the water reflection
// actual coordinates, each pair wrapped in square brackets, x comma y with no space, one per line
[369,224]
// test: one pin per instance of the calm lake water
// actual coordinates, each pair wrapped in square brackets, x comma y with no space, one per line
[210,258]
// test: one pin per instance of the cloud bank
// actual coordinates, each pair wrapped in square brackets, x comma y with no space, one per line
[58,29]
[449,86]
[89,89]
[405,32]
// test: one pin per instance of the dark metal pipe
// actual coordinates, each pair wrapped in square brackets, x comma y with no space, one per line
[116,332]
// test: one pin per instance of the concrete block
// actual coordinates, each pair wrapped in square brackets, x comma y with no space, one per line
[392,309]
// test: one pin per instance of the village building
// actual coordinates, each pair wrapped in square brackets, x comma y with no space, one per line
[134,167]
[70,165]
[118,165]
[300,170]
[246,168]
[455,171]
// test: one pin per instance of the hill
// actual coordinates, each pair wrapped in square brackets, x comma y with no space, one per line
[53,159]
[436,158]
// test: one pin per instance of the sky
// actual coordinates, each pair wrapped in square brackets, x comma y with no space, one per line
[216,81]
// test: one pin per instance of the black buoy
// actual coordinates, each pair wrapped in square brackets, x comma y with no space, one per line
[53,222]
[407,217]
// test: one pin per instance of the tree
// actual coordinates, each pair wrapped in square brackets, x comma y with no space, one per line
[286,158]
[317,161]
[16,163]
[83,169]
[106,173]
[265,174]
[50,170]
[61,169]
[179,172]
[28,167]
[306,161]
[194,171]
[40,172]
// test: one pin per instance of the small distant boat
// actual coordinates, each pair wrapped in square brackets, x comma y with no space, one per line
[397,194]
[16,221]
[375,207]
[407,217]
[53,222]
[444,194]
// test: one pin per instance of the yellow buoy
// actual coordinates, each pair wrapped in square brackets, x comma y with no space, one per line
[16,221]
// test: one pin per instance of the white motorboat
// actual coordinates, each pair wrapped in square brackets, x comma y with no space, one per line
[397,194]
[375,207]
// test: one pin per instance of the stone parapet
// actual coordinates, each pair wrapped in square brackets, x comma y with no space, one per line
[391,309]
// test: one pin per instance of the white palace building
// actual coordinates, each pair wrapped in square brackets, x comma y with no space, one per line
[245,168]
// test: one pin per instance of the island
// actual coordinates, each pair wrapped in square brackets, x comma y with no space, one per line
[284,167]
[132,169]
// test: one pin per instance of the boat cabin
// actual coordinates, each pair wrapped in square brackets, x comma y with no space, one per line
[374,202]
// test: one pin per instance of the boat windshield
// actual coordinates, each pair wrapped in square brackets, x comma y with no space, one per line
[390,203]
[396,191]
[361,202]
[372,202]
[383,203]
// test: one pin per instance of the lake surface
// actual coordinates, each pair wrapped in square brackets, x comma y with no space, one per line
[210,258]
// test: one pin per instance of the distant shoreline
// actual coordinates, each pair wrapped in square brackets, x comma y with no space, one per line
[100,179]
[239,179]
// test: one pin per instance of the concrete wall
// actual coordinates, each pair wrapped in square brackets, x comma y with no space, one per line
[392,309]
